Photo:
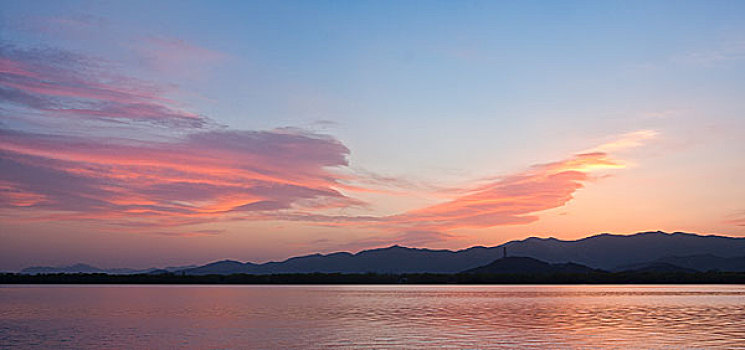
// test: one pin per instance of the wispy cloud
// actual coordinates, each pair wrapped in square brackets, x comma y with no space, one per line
[73,22]
[737,219]
[79,26]
[626,141]
[177,57]
[196,233]
[725,52]
[62,84]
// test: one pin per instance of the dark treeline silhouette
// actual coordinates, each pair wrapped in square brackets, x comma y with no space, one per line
[631,277]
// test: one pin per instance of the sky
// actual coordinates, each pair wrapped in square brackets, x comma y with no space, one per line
[165,133]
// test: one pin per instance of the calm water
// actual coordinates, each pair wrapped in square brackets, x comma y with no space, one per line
[372,317]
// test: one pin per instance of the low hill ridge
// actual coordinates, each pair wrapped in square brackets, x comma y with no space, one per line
[521,264]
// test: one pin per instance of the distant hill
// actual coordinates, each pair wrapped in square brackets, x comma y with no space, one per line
[77,268]
[393,259]
[520,265]
[84,268]
[656,267]
[607,251]
[701,263]
[604,251]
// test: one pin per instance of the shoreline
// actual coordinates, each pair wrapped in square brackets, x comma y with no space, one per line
[596,278]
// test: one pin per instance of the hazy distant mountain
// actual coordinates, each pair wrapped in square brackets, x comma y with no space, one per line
[608,251]
[702,263]
[655,267]
[520,264]
[221,268]
[605,251]
[393,259]
[77,268]
[84,268]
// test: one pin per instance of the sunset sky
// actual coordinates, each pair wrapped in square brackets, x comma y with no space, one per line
[161,133]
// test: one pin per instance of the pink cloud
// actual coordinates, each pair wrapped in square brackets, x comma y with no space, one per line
[197,233]
[65,85]
[11,67]
[196,179]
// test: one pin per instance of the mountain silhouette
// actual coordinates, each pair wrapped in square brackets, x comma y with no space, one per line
[604,251]
[394,259]
[609,252]
[656,266]
[700,263]
[521,264]
[84,268]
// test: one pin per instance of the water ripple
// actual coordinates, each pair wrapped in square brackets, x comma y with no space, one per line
[373,317]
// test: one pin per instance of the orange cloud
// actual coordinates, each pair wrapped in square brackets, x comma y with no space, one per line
[513,199]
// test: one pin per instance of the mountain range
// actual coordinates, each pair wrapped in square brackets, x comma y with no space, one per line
[677,251]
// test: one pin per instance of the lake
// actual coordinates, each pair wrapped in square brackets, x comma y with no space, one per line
[372,317]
